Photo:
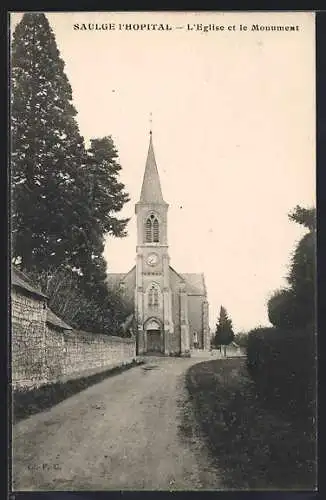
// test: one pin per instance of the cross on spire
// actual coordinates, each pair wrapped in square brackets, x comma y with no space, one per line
[150,122]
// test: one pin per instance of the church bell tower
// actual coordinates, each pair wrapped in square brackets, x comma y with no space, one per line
[153,298]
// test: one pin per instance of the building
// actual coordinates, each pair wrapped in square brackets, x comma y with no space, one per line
[170,308]
[36,334]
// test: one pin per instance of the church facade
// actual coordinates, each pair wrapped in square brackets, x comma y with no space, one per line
[170,308]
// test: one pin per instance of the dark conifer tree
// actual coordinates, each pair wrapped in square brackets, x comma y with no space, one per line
[47,150]
[224,334]
[65,200]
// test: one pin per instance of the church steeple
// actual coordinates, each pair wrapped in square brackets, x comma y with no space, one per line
[151,191]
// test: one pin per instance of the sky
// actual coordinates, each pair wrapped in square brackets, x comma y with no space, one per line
[233,121]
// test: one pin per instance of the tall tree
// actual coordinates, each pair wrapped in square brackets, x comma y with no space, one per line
[294,307]
[224,334]
[65,199]
[47,150]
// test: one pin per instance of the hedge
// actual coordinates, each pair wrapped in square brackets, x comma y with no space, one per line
[283,365]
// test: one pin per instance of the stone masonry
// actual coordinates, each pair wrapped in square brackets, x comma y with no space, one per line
[43,354]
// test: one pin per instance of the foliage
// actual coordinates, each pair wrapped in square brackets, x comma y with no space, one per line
[254,448]
[304,216]
[106,192]
[284,310]
[224,334]
[302,274]
[295,306]
[65,199]
[69,300]
[241,338]
[47,150]
[283,365]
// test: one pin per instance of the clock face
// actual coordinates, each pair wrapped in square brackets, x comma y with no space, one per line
[152,259]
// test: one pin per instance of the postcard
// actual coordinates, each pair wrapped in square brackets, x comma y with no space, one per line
[163,330]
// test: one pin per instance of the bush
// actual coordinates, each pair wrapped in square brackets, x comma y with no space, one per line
[283,365]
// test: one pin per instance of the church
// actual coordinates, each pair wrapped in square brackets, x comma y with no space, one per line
[170,308]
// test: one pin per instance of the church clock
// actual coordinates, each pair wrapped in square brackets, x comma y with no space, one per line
[152,259]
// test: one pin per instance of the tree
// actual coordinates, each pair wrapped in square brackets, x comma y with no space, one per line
[224,334]
[295,307]
[302,275]
[304,216]
[284,311]
[68,298]
[47,150]
[107,192]
[241,338]
[65,199]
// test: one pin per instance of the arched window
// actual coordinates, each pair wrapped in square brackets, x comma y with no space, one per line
[153,296]
[152,229]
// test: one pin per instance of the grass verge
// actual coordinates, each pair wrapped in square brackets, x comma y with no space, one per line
[29,402]
[254,447]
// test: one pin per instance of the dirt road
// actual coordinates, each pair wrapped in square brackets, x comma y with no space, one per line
[132,431]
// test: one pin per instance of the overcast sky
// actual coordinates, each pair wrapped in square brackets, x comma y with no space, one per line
[233,132]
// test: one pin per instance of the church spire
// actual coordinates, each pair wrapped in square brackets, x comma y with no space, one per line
[151,191]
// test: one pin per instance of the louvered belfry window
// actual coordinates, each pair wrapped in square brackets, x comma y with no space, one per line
[155,231]
[152,230]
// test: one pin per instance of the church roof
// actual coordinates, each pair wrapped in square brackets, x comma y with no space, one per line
[114,279]
[195,283]
[151,191]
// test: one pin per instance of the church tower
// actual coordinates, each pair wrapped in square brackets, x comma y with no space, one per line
[170,309]
[153,298]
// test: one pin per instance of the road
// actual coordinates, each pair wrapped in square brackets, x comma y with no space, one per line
[132,431]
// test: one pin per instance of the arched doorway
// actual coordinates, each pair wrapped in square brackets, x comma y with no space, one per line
[154,340]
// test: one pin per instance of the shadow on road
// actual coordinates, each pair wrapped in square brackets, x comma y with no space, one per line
[27,403]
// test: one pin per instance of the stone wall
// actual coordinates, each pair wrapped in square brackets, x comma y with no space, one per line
[43,354]
[86,351]
[28,321]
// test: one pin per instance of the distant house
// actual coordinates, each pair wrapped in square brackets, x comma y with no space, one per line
[235,349]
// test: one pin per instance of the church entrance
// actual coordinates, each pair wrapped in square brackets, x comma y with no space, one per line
[154,341]
[153,337]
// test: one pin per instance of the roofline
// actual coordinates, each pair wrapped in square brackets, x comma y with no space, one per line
[59,327]
[24,277]
[204,283]
[133,267]
[176,272]
[63,325]
[29,292]
[124,275]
